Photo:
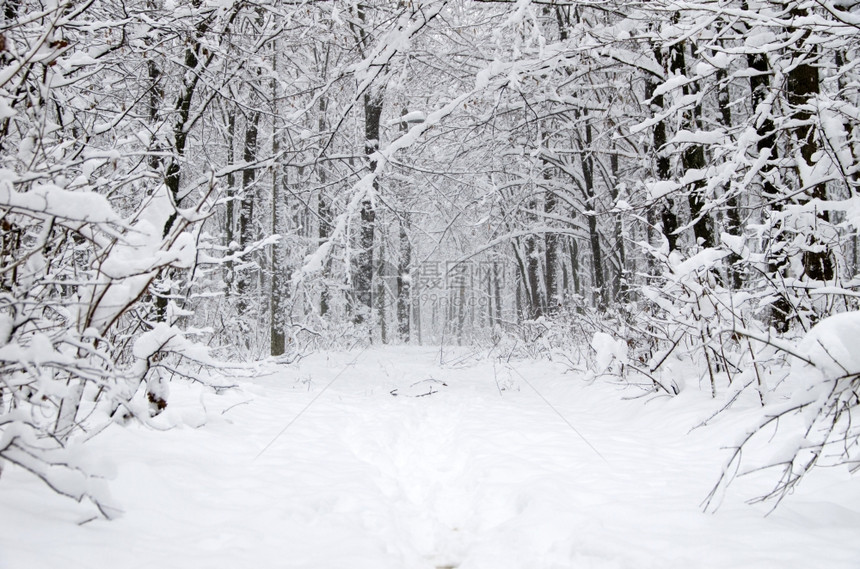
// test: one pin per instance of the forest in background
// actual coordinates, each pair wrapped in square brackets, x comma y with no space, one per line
[194,181]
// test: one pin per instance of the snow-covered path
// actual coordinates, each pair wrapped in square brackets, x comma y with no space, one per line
[482,473]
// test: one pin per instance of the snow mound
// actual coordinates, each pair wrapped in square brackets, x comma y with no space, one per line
[832,345]
[611,353]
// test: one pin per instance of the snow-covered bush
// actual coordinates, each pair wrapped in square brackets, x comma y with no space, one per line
[813,418]
[92,239]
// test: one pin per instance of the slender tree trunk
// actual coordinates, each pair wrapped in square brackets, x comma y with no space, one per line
[183,112]
[246,211]
[693,157]
[523,291]
[230,222]
[363,279]
[416,315]
[277,300]
[551,243]
[573,254]
[733,205]
[172,178]
[781,308]
[619,284]
[532,275]
[324,215]
[381,293]
[665,210]
[497,286]
[277,306]
[802,84]
[404,282]
[599,282]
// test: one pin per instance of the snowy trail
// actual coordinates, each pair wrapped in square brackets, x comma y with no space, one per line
[480,474]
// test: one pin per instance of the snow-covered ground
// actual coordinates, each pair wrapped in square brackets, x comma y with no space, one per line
[406,463]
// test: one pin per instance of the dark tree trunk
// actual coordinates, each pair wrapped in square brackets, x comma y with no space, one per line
[381,294]
[802,84]
[693,157]
[593,233]
[246,207]
[781,308]
[619,284]
[324,215]
[172,175]
[733,205]
[573,254]
[229,208]
[532,275]
[278,338]
[280,278]
[404,285]
[363,276]
[522,282]
[183,111]
[551,243]
[663,166]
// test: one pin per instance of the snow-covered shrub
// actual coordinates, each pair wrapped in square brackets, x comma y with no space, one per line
[813,419]
[693,316]
[91,234]
[610,354]
[77,346]
[565,335]
[807,389]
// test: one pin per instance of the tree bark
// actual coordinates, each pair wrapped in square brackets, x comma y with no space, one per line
[693,157]
[551,242]
[733,205]
[277,300]
[802,84]
[363,275]
[404,283]
[666,211]
[230,207]
[324,215]
[532,276]
[619,283]
[246,212]
[781,308]
[599,282]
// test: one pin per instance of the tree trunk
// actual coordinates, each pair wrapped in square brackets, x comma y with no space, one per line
[599,282]
[666,210]
[619,283]
[573,254]
[363,276]
[381,293]
[404,283]
[532,275]
[693,157]
[229,212]
[733,205]
[523,292]
[246,211]
[781,309]
[802,84]
[277,300]
[324,216]
[551,243]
